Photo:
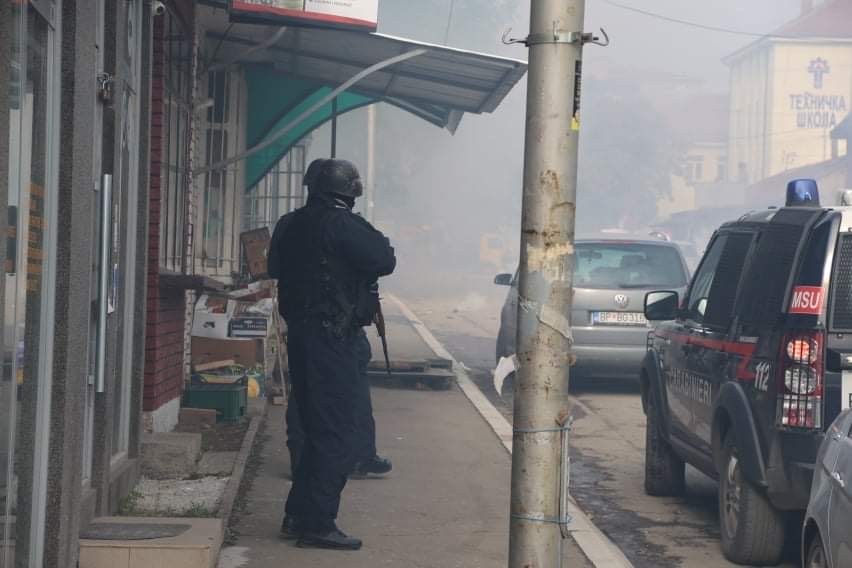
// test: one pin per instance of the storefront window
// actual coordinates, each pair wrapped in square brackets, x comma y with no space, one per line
[219,217]
[278,192]
[177,111]
[28,68]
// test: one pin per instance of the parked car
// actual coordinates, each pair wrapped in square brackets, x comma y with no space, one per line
[610,281]
[744,372]
[827,533]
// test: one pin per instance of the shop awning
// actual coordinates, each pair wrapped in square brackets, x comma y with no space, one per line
[438,85]
[289,69]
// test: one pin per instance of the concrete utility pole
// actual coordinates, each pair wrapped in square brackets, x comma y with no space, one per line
[539,461]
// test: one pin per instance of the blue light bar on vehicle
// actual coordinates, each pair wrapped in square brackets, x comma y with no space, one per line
[802,193]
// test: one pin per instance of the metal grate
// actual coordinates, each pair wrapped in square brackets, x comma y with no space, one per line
[176,118]
[842,311]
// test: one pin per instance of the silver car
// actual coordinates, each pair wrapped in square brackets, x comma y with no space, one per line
[611,279]
[827,534]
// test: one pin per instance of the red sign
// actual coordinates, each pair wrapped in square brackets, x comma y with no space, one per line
[807,300]
[347,14]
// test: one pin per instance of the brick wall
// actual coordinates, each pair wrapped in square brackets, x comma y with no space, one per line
[165,355]
[166,308]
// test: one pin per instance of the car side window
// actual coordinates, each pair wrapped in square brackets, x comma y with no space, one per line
[699,292]
[726,283]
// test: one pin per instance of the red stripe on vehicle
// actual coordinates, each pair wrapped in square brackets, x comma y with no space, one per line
[745,350]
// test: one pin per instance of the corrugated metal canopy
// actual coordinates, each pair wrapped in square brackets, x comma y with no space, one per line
[438,85]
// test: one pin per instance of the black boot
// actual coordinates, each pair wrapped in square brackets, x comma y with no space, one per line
[375,465]
[291,528]
[334,539]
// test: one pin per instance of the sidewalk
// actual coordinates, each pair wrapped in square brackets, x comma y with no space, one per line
[445,504]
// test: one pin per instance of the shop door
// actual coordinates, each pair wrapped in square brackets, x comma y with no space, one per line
[125,223]
[102,185]
[29,75]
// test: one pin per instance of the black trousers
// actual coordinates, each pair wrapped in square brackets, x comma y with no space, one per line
[365,425]
[322,373]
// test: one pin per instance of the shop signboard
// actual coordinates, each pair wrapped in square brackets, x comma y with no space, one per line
[347,14]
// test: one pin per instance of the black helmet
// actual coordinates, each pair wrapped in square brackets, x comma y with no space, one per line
[312,173]
[339,177]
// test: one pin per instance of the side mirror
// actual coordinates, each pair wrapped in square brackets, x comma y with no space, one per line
[661,306]
[503,279]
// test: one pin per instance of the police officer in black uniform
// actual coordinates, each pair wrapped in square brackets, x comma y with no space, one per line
[325,259]
[367,460]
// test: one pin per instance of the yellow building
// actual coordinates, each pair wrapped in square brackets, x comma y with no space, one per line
[699,181]
[789,90]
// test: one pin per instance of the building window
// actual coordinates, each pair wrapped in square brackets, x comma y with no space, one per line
[177,112]
[694,169]
[721,170]
[221,201]
[278,193]
[214,201]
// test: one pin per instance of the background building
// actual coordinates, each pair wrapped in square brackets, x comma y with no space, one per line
[789,90]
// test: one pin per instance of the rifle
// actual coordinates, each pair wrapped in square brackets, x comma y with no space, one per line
[379,320]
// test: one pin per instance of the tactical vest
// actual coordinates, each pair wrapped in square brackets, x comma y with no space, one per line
[317,284]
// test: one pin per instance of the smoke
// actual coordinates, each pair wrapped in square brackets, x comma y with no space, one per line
[452,204]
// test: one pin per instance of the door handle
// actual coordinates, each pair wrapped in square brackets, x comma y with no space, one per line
[103,281]
[838,479]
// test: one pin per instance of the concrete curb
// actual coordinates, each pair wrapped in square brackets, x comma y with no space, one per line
[597,547]
[229,498]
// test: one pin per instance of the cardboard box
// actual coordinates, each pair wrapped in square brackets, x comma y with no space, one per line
[256,247]
[245,352]
[210,325]
[212,316]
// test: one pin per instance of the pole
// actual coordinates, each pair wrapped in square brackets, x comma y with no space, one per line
[334,128]
[539,463]
[371,162]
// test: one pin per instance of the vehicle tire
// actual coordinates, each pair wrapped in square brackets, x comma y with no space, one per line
[665,472]
[816,554]
[752,530]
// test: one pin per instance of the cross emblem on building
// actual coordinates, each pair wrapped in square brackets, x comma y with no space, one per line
[819,69]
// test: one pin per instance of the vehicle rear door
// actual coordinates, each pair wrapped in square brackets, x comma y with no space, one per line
[682,384]
[712,357]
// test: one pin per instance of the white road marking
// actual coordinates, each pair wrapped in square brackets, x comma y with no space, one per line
[597,547]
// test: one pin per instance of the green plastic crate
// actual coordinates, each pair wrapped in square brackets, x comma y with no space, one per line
[229,401]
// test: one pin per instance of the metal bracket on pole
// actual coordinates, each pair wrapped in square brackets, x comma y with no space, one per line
[558,36]
[564,519]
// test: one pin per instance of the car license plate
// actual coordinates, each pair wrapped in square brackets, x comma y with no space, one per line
[619,318]
[846,401]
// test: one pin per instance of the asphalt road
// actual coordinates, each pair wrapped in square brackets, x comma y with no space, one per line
[608,445]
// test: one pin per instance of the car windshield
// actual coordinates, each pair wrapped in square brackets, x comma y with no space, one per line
[628,265]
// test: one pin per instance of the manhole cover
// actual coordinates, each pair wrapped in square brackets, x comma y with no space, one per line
[132,531]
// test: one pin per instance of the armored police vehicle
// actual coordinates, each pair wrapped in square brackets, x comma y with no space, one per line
[743,374]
